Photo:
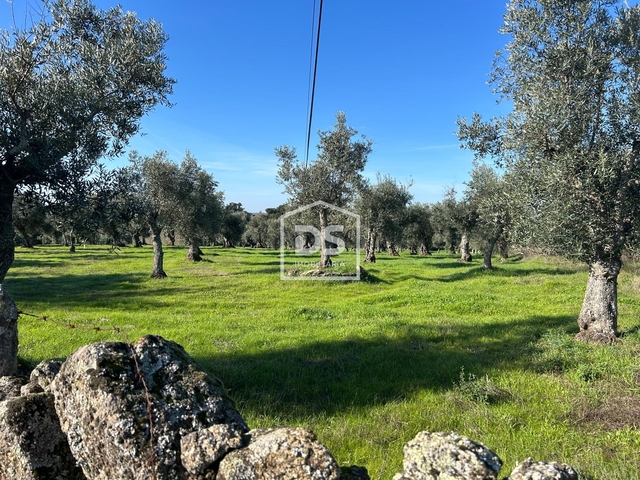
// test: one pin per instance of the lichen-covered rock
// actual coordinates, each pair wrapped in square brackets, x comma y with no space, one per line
[283,453]
[433,456]
[32,446]
[104,408]
[531,470]
[30,388]
[45,372]
[10,387]
[202,449]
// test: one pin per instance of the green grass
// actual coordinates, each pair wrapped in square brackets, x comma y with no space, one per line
[425,344]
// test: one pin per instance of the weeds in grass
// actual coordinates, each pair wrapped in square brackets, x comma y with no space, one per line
[479,389]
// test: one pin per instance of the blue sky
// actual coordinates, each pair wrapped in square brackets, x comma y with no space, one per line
[402,70]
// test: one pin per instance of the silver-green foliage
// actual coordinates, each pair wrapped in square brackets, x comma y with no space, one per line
[571,143]
[336,174]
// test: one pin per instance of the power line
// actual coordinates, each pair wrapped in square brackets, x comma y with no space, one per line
[313,85]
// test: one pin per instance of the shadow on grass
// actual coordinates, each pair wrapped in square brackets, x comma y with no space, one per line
[501,272]
[76,289]
[332,377]
[475,271]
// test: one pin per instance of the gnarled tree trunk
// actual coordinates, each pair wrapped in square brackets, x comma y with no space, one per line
[488,253]
[370,246]
[158,254]
[194,252]
[598,318]
[325,258]
[503,248]
[135,239]
[465,256]
[392,250]
[26,238]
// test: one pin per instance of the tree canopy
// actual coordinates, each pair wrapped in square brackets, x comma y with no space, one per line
[73,87]
[334,177]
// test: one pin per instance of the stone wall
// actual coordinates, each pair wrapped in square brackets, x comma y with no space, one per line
[148,411]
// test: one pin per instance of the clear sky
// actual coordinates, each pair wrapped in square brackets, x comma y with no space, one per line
[402,70]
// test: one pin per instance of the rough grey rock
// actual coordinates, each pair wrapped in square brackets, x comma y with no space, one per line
[531,470]
[283,453]
[10,387]
[30,388]
[45,372]
[103,408]
[202,449]
[433,456]
[8,335]
[32,446]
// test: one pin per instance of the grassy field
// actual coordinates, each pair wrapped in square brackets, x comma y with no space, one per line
[424,344]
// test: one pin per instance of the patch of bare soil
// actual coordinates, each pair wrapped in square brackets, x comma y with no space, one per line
[618,409]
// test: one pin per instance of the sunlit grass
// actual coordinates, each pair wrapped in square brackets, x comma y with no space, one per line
[366,365]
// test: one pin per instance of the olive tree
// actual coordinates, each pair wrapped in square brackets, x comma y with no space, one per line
[382,208]
[198,208]
[74,84]
[234,223]
[418,230]
[487,192]
[334,177]
[159,195]
[455,220]
[572,141]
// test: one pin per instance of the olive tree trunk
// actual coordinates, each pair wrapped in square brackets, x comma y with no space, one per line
[325,258]
[488,253]
[493,239]
[598,320]
[392,250]
[135,240]
[8,311]
[503,248]
[194,252]
[465,256]
[26,238]
[158,254]
[172,237]
[370,246]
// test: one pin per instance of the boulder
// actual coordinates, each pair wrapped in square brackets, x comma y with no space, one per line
[105,398]
[204,448]
[433,456]
[10,387]
[31,387]
[282,453]
[44,373]
[32,446]
[531,470]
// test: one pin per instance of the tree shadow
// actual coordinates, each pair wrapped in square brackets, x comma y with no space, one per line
[83,290]
[334,376]
[475,271]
